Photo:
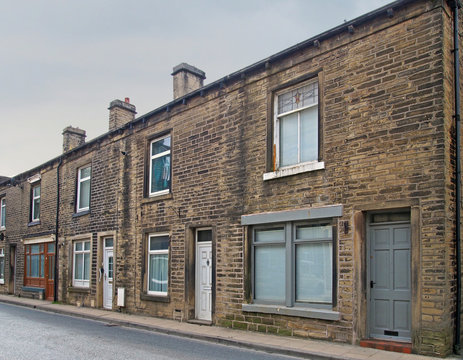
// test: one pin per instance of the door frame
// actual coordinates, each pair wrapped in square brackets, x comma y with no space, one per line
[105,267]
[12,269]
[370,227]
[359,219]
[101,236]
[197,271]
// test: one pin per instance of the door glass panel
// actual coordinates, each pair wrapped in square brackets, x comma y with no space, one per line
[108,242]
[204,235]
[51,248]
[110,267]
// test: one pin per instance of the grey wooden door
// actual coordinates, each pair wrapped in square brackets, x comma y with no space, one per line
[389,282]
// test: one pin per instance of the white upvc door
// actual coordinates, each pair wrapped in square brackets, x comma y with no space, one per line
[108,264]
[203,291]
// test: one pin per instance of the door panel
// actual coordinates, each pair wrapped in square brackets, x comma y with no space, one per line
[108,264]
[204,281]
[390,282]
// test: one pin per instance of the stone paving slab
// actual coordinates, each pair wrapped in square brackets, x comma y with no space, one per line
[303,348]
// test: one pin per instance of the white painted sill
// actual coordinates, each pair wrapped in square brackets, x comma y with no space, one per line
[295,169]
[312,313]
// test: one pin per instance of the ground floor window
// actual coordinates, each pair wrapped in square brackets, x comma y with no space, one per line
[81,263]
[293,264]
[39,264]
[158,264]
[2,266]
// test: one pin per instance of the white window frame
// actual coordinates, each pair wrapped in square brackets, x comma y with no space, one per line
[2,213]
[299,167]
[290,242]
[151,157]
[34,198]
[81,282]
[2,264]
[157,252]
[80,180]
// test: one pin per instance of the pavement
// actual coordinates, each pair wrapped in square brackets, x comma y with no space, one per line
[283,345]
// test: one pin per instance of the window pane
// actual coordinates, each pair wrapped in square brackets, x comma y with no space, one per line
[2,267]
[288,140]
[35,249]
[87,245]
[35,265]
[42,265]
[160,173]
[298,98]
[160,146]
[204,235]
[51,267]
[108,242]
[158,266]
[86,266]
[270,235]
[2,213]
[159,243]
[51,248]
[84,194]
[314,272]
[78,266]
[36,191]
[269,273]
[309,134]
[85,172]
[36,214]
[78,246]
[314,232]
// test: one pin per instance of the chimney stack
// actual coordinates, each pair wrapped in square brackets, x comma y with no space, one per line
[120,113]
[72,138]
[187,78]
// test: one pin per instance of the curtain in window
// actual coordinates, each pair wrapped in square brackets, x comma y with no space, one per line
[309,134]
[84,194]
[270,273]
[160,177]
[158,267]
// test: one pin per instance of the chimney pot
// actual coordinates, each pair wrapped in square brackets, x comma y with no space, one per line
[127,100]
[187,78]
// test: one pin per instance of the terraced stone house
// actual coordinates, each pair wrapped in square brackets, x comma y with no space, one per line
[310,194]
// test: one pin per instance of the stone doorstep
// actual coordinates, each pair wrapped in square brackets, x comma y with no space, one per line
[401,347]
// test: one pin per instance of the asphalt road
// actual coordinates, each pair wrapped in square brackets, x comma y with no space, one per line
[34,334]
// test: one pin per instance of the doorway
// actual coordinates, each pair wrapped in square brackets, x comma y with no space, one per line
[203,274]
[389,276]
[108,273]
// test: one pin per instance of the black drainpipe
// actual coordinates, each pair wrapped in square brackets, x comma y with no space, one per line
[55,295]
[456,5]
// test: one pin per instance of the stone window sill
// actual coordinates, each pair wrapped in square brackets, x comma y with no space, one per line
[81,213]
[79,290]
[312,313]
[33,223]
[295,169]
[155,198]
[155,298]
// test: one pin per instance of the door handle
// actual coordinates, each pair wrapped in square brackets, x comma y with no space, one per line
[371,284]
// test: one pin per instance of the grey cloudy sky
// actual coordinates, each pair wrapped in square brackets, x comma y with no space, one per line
[63,62]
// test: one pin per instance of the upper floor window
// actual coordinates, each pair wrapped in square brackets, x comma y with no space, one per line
[296,125]
[160,169]
[35,203]
[2,213]
[83,188]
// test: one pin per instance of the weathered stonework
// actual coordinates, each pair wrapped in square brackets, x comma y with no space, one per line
[386,137]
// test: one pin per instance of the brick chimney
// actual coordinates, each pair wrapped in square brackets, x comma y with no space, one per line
[72,138]
[120,113]
[187,78]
